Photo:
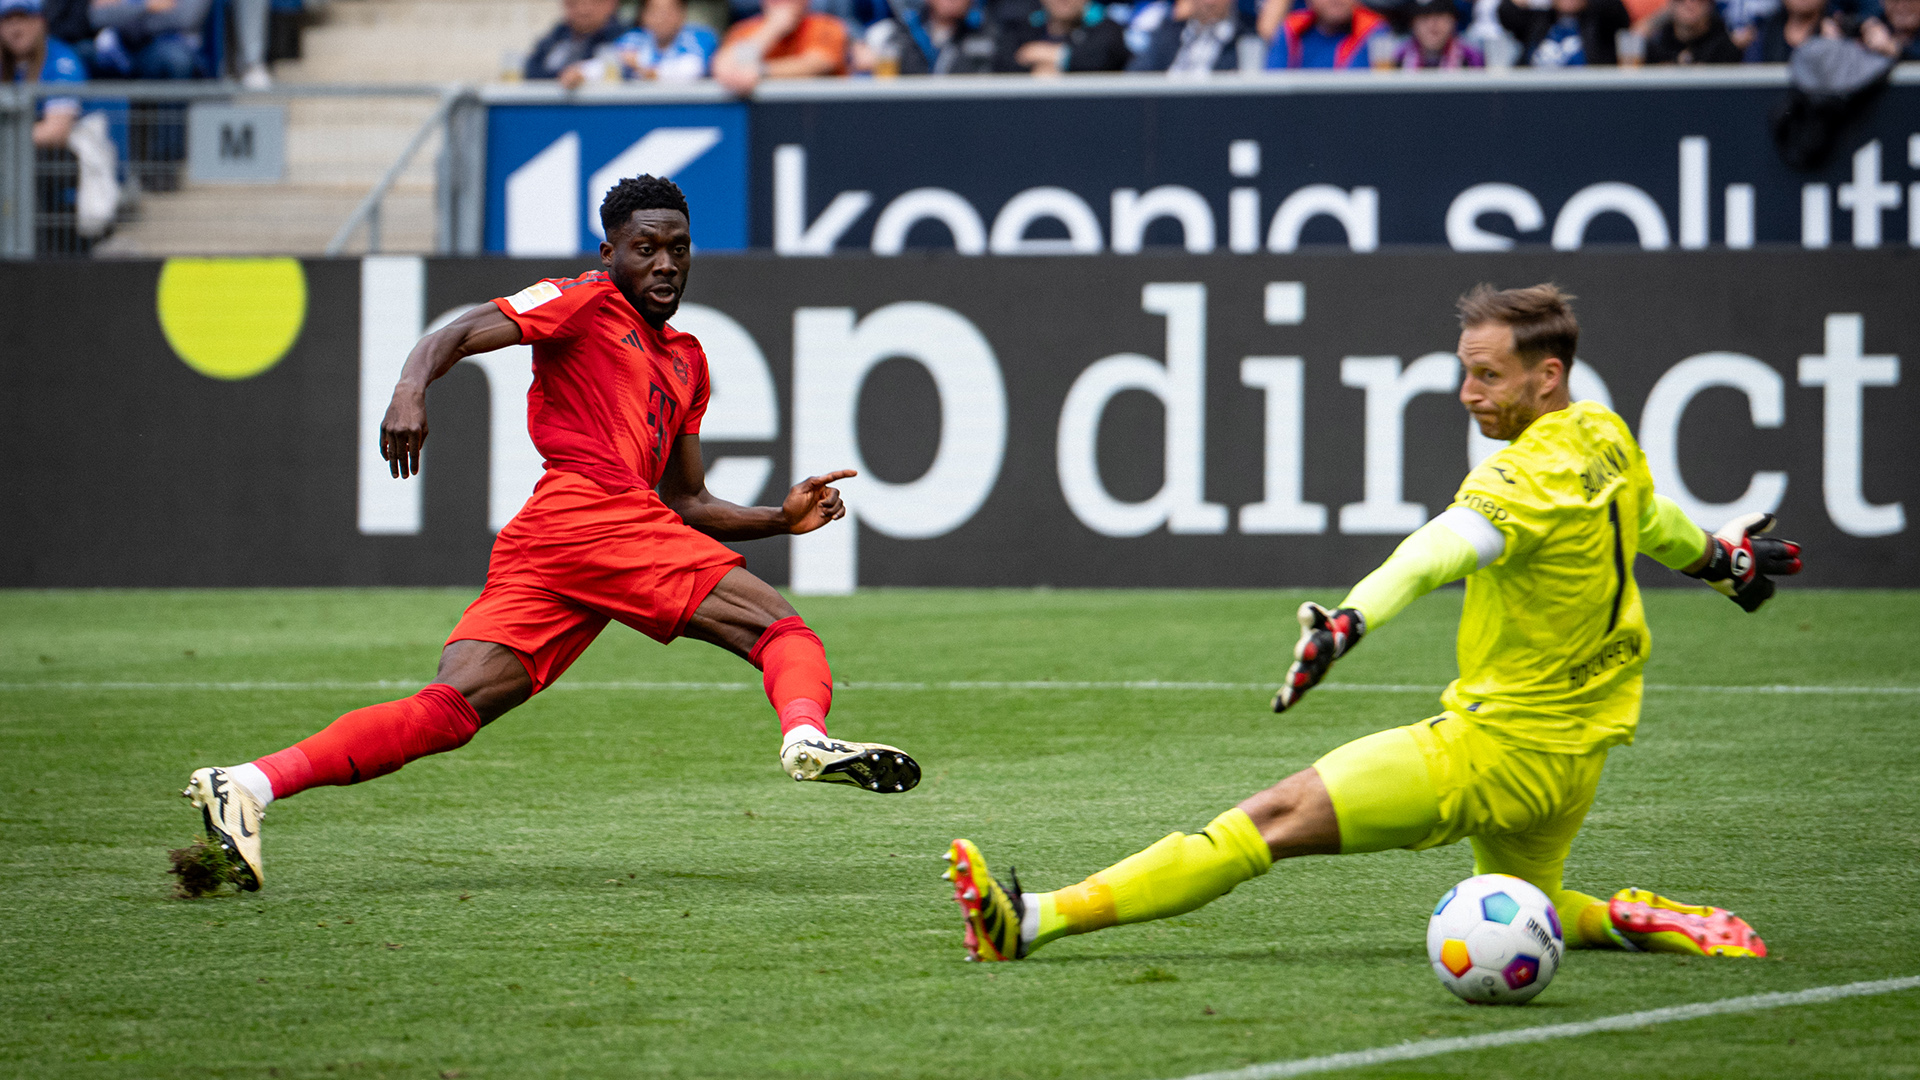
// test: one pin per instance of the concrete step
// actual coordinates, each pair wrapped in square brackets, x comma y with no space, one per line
[285,219]
[417,40]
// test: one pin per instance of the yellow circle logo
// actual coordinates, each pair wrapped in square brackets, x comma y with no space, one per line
[232,318]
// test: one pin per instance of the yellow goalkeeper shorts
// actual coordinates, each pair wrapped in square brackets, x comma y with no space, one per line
[1446,779]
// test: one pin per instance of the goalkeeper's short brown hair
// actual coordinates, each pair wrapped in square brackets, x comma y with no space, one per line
[1541,317]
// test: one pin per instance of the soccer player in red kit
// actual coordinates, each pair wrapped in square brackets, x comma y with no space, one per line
[620,527]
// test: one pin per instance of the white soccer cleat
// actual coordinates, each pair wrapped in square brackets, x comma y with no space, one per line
[233,819]
[874,766]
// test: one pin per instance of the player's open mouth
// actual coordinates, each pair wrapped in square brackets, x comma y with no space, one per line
[663,293]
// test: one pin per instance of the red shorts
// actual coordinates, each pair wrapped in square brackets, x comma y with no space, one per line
[576,557]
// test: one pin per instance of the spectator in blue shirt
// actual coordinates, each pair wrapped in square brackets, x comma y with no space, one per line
[148,39]
[1326,34]
[1142,20]
[29,55]
[665,47]
[587,28]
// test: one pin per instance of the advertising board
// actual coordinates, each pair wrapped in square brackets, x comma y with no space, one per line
[1363,162]
[1162,420]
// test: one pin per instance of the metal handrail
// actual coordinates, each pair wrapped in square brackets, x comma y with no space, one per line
[368,211]
[17,105]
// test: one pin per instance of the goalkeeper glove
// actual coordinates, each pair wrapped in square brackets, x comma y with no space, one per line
[1740,558]
[1325,636]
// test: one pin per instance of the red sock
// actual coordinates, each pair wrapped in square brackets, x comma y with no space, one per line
[798,681]
[374,741]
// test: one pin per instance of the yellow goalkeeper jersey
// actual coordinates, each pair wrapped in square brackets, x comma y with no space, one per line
[1552,637]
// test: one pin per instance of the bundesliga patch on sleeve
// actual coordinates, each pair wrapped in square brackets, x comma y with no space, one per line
[533,296]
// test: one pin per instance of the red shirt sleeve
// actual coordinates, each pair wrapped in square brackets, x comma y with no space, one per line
[702,389]
[549,309]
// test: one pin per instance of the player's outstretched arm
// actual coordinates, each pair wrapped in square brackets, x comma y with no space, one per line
[404,430]
[1741,561]
[1445,549]
[809,504]
[1738,561]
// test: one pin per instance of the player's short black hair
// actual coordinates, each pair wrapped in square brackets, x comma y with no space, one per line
[643,192]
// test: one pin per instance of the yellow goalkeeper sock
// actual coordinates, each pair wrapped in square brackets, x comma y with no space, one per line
[1176,875]
[1585,922]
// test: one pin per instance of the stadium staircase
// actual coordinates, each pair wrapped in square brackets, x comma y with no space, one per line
[338,148]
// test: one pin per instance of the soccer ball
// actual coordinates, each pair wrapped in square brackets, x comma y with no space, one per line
[1495,940]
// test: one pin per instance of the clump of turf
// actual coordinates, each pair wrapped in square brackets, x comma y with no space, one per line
[202,867]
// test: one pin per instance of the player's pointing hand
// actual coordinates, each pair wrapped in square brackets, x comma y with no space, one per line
[811,503]
[402,432]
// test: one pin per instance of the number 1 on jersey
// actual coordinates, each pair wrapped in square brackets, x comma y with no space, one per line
[1619,565]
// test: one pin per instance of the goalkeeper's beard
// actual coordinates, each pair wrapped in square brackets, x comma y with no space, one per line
[1506,422]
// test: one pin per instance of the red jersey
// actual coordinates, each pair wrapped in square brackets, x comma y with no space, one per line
[610,393]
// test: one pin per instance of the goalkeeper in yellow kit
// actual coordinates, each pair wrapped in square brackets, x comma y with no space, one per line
[1552,642]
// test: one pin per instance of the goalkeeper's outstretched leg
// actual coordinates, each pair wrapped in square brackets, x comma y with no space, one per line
[1424,785]
[1174,876]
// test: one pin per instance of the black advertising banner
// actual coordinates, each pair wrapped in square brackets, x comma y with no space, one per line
[1469,162]
[1150,421]
[1677,158]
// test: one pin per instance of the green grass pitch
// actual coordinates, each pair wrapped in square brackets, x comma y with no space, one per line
[620,883]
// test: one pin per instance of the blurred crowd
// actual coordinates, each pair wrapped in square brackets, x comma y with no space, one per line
[742,42]
[133,39]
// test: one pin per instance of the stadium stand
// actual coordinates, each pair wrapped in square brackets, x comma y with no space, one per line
[337,148]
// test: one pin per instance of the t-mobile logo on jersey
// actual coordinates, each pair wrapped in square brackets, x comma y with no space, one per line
[663,415]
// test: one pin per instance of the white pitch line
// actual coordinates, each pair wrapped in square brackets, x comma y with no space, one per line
[1409,1051]
[1782,689]
[1033,684]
